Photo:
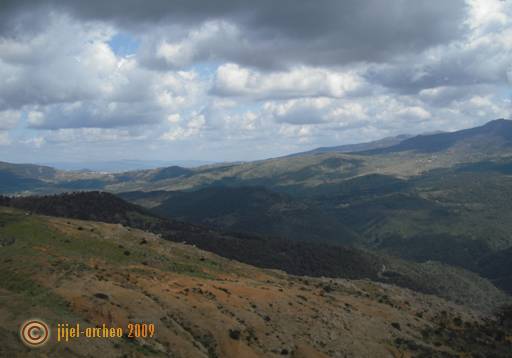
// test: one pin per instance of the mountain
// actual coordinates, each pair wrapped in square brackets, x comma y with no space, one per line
[20,177]
[30,171]
[302,174]
[292,256]
[491,137]
[202,305]
[358,147]
[314,173]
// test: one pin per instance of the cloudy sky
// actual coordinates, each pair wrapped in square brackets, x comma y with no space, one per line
[241,80]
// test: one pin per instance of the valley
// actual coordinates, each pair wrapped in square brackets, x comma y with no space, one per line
[425,220]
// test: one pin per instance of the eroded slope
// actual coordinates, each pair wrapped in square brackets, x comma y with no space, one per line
[205,305]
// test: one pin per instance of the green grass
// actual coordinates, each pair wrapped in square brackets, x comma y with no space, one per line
[71,252]
[31,293]
[32,233]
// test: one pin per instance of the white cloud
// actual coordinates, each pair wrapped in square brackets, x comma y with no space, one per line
[4,138]
[36,118]
[482,56]
[68,77]
[174,118]
[326,112]
[91,135]
[302,131]
[483,107]
[177,91]
[238,124]
[36,142]
[53,66]
[233,80]
[349,111]
[299,111]
[414,113]
[191,128]
[484,15]
[9,119]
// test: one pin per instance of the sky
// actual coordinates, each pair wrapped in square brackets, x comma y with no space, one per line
[231,80]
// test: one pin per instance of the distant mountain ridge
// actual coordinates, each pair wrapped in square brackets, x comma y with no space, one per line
[32,171]
[20,177]
[320,169]
[494,133]
[357,147]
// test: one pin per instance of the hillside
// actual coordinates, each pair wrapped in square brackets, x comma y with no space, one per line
[428,217]
[294,257]
[30,171]
[20,177]
[88,206]
[93,273]
[247,209]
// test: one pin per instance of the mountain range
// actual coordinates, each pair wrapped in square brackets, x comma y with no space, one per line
[401,157]
[419,219]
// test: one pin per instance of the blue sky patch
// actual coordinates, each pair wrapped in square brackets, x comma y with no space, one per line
[123,44]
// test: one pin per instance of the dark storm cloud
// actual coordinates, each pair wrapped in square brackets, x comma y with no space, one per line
[277,33]
[22,17]
[478,66]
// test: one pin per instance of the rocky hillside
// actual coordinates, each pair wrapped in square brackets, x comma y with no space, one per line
[206,306]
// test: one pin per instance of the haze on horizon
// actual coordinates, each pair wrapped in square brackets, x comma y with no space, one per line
[239,80]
